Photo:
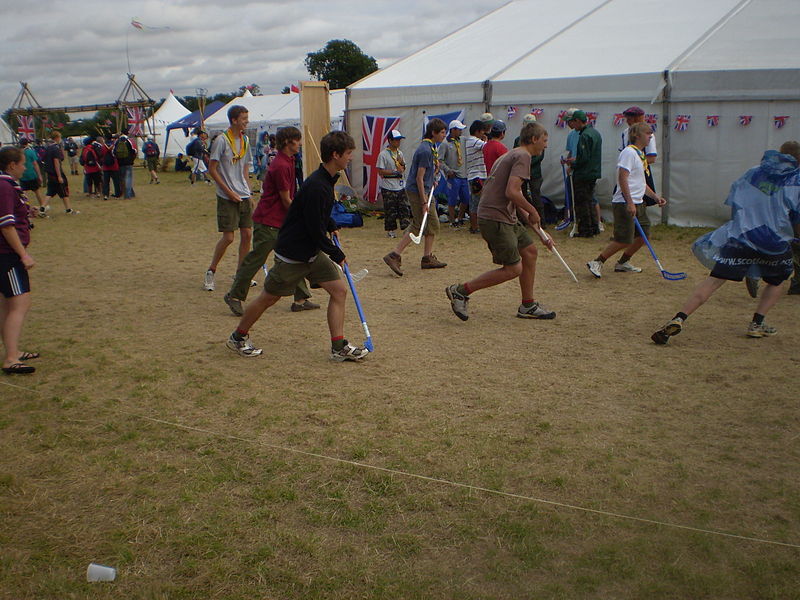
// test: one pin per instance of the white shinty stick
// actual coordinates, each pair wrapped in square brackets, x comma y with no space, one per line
[546,237]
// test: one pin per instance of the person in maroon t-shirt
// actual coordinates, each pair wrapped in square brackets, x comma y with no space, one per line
[15,262]
[277,194]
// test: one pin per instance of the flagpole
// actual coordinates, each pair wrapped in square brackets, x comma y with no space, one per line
[127,53]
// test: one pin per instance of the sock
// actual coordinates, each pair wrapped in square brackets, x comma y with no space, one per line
[624,258]
[239,334]
[681,316]
[600,258]
[212,270]
[463,289]
[758,319]
[527,303]
[338,342]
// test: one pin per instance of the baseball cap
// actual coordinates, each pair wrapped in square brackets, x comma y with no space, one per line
[529,118]
[498,126]
[570,112]
[579,115]
[633,111]
[456,124]
[394,134]
[487,117]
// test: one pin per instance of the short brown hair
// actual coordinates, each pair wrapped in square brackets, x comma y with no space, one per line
[335,142]
[791,148]
[531,131]
[637,130]
[56,135]
[435,125]
[235,111]
[286,135]
[10,154]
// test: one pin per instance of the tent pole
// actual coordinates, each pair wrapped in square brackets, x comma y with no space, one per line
[667,171]
[487,95]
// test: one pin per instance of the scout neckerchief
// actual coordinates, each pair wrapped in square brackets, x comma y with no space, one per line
[434,151]
[457,143]
[396,158]
[640,154]
[237,156]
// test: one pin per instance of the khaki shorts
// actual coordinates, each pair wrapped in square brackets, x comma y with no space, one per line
[416,202]
[234,215]
[504,240]
[283,278]
[152,163]
[624,227]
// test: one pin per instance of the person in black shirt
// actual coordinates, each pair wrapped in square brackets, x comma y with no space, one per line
[304,250]
[57,184]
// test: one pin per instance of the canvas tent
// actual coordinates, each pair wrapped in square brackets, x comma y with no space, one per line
[6,134]
[718,58]
[169,112]
[191,121]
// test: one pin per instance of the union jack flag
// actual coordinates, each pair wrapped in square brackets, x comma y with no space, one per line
[619,119]
[652,120]
[712,120]
[374,131]
[744,120]
[682,122]
[591,118]
[560,122]
[537,112]
[780,121]
[135,121]
[512,110]
[25,125]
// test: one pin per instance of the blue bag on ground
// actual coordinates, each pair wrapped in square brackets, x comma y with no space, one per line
[345,219]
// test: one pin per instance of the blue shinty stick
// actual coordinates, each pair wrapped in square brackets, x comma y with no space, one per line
[368,342]
[568,210]
[664,273]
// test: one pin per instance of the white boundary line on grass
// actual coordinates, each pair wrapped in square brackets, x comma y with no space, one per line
[19,387]
[461,485]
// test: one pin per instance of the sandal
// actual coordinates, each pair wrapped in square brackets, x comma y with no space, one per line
[18,369]
[28,356]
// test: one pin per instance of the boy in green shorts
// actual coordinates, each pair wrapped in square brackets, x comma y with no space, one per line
[304,250]
[503,213]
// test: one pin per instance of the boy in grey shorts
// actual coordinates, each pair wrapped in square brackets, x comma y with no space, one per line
[304,250]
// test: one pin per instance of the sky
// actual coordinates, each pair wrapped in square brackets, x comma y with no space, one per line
[73,53]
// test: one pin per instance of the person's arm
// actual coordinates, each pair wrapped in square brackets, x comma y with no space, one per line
[421,188]
[446,150]
[38,171]
[319,225]
[660,200]
[57,167]
[12,238]
[525,209]
[388,173]
[213,170]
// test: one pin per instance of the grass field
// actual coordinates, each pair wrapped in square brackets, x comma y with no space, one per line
[141,442]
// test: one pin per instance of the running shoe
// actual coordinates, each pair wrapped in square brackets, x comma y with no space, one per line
[537,311]
[243,347]
[458,302]
[208,281]
[349,352]
[625,267]
[673,327]
[756,330]
[595,268]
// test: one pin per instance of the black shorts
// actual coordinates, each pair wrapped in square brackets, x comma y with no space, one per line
[13,276]
[734,261]
[57,189]
[29,185]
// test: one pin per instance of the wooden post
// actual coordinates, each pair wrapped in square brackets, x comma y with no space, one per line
[315,121]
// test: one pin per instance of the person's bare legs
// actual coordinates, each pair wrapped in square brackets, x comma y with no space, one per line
[12,316]
[702,292]
[255,308]
[769,297]
[245,239]
[494,277]
[219,250]
[337,290]
[427,244]
[527,275]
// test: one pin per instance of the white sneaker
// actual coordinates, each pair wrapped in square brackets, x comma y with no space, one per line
[600,226]
[596,268]
[208,281]
[349,352]
[626,267]
[71,211]
[243,347]
[391,234]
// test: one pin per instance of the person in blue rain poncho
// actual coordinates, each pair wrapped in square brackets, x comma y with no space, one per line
[756,242]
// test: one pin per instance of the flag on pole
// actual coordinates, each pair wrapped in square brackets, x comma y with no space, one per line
[512,111]
[294,89]
[142,27]
[780,121]
[25,125]
[374,131]
[135,121]
[712,120]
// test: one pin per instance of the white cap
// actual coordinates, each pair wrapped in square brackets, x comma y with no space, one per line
[456,124]
[487,117]
[529,118]
[395,134]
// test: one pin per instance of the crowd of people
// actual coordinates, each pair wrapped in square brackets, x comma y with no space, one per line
[497,188]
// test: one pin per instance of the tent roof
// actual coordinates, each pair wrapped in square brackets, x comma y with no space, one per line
[593,48]
[170,111]
[275,108]
[193,119]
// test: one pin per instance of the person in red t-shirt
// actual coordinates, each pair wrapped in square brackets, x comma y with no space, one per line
[280,185]
[494,148]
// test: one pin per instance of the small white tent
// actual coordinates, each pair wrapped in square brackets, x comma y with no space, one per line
[6,134]
[718,58]
[169,112]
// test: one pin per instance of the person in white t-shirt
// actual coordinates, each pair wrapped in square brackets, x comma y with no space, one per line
[628,202]
[392,167]
[633,115]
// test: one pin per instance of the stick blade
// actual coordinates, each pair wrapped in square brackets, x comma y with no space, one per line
[563,224]
[673,276]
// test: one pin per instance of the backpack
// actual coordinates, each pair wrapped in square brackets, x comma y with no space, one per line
[150,149]
[122,149]
[89,157]
[109,160]
[192,148]
[345,219]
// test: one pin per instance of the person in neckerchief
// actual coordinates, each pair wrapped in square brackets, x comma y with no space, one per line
[419,183]
[229,167]
[628,202]
[454,165]
[304,250]
[15,262]
[391,167]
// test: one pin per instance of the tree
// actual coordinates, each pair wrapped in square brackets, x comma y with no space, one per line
[254,88]
[340,63]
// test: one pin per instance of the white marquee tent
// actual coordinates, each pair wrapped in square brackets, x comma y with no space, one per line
[169,112]
[6,134]
[717,58]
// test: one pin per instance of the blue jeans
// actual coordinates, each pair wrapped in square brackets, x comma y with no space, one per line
[126,175]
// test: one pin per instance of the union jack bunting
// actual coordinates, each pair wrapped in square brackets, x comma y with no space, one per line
[135,121]
[512,110]
[591,118]
[744,120]
[560,122]
[25,125]
[619,119]
[652,120]
[712,120]
[537,112]
[682,122]
[374,131]
[780,121]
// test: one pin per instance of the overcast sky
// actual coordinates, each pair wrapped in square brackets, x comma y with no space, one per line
[73,53]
